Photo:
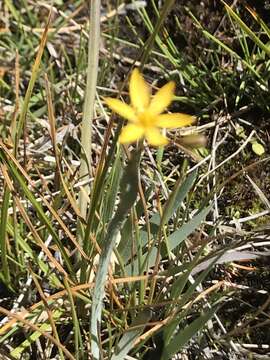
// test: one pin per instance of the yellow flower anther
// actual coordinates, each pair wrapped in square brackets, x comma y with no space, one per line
[145,114]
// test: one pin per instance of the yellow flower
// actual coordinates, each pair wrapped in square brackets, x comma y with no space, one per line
[144,114]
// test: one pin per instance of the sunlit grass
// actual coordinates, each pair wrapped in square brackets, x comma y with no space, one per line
[121,262]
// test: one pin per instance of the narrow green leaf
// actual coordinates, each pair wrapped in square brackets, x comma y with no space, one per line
[112,187]
[260,21]
[38,207]
[177,196]
[125,249]
[179,284]
[128,196]
[230,51]
[181,339]
[176,291]
[180,235]
[32,255]
[76,324]
[127,341]
[247,30]
[3,235]
[45,327]
[33,78]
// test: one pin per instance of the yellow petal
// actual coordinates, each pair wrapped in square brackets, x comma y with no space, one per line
[121,109]
[155,138]
[139,91]
[131,133]
[162,99]
[175,120]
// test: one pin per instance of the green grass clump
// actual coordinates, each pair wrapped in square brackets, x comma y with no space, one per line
[116,252]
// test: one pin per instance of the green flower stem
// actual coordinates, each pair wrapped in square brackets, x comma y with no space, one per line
[128,195]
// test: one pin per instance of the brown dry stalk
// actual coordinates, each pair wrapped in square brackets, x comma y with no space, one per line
[52,211]
[74,291]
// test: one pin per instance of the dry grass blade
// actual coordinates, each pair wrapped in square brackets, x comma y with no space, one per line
[75,291]
[44,200]
[48,310]
[34,327]
[60,182]
[259,192]
[29,223]
[22,119]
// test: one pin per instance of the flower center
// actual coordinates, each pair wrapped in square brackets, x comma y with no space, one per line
[146,119]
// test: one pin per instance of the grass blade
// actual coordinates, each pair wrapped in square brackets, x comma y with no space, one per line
[177,196]
[128,196]
[34,74]
[88,109]
[247,30]
[186,334]
[127,341]
[3,236]
[186,229]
